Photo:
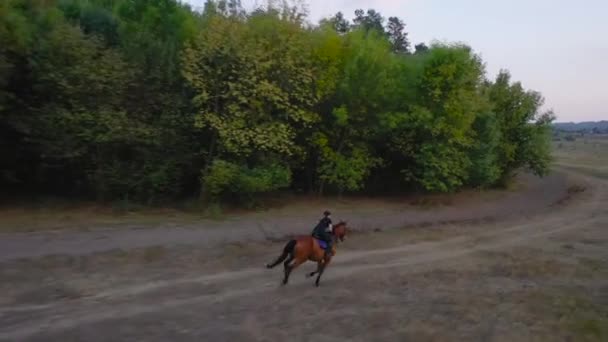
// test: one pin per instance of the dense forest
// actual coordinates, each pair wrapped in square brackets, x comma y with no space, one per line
[152,101]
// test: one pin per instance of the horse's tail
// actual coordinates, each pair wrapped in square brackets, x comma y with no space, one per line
[289,247]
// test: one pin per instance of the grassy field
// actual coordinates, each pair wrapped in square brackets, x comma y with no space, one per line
[588,155]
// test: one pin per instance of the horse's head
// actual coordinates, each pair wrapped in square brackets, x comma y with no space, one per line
[340,230]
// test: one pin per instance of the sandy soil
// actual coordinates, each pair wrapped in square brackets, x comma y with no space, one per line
[467,271]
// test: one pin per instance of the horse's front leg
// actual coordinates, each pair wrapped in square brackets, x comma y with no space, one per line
[308,275]
[322,267]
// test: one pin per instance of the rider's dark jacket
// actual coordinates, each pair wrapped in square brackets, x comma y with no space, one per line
[322,231]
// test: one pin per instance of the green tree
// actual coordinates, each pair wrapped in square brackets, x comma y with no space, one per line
[421,48]
[352,113]
[397,35]
[448,101]
[338,23]
[521,139]
[369,21]
[254,83]
[485,168]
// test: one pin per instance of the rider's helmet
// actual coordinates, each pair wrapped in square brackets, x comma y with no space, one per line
[326,213]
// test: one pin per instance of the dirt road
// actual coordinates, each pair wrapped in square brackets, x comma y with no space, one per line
[532,196]
[538,274]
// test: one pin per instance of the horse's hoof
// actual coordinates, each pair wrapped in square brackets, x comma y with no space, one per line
[316,284]
[268,266]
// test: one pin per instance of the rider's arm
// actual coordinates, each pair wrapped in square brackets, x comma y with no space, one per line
[330,227]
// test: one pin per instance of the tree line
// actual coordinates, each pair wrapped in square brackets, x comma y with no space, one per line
[151,100]
[588,127]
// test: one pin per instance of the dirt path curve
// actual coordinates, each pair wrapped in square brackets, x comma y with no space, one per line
[535,196]
[246,305]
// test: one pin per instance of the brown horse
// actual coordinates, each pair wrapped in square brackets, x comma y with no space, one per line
[304,248]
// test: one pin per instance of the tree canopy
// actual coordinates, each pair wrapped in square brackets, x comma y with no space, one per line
[152,100]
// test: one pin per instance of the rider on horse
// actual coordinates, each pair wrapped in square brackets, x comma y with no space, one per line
[303,248]
[323,231]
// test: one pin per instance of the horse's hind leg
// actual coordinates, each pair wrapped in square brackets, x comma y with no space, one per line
[288,261]
[289,268]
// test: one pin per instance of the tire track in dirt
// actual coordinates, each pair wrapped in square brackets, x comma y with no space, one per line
[108,305]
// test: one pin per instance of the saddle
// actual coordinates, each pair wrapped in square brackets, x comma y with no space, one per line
[321,243]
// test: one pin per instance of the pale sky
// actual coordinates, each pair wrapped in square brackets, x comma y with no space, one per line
[558,47]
